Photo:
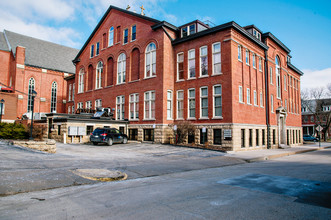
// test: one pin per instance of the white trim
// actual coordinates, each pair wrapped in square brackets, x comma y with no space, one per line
[177,102]
[213,61]
[200,56]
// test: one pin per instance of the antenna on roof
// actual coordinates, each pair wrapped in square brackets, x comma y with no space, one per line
[209,23]
[128,7]
[142,10]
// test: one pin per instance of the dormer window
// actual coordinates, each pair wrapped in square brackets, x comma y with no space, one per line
[256,34]
[288,59]
[188,30]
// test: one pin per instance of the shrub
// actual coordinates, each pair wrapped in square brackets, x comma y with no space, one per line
[13,131]
[184,128]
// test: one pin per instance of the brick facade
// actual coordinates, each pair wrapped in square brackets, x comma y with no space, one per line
[18,66]
[212,90]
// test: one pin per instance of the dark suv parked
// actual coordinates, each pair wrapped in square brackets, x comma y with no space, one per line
[108,135]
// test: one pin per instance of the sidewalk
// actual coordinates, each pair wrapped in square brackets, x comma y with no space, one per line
[268,154]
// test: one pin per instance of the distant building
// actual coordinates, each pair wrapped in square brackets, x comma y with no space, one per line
[235,84]
[314,113]
[28,64]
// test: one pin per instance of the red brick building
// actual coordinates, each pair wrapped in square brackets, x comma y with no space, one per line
[235,84]
[28,64]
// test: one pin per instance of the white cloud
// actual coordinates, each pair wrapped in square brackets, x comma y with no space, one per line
[38,10]
[315,78]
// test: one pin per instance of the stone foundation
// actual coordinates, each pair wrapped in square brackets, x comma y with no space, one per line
[48,146]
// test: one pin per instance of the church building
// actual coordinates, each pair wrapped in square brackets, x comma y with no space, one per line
[28,64]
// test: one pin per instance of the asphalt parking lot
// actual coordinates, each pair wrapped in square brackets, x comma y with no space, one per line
[25,170]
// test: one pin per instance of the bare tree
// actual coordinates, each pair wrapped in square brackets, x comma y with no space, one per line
[316,101]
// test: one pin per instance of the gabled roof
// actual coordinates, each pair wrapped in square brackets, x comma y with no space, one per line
[43,54]
[3,42]
[102,20]
[270,35]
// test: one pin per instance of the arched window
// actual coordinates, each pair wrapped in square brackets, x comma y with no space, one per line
[99,75]
[31,88]
[110,69]
[135,64]
[121,64]
[80,81]
[90,78]
[53,97]
[111,37]
[150,60]
[278,77]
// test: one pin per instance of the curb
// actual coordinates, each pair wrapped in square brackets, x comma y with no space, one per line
[270,157]
[100,175]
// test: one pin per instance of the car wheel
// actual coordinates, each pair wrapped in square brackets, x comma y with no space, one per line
[110,142]
[95,143]
[125,140]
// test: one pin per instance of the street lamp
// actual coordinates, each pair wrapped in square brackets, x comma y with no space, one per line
[1,103]
[34,94]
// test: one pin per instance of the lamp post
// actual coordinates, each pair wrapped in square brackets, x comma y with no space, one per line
[1,103]
[34,94]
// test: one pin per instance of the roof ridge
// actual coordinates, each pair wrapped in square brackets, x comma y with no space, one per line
[34,38]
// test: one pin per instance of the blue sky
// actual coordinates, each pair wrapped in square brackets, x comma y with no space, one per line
[303,26]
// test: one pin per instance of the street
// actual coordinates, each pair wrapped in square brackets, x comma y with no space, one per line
[293,187]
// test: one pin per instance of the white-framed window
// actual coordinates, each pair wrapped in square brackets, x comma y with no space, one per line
[180,104]
[69,94]
[150,60]
[88,105]
[217,101]
[248,96]
[81,81]
[204,102]
[254,61]
[80,105]
[54,97]
[134,106]
[261,99]
[188,30]
[149,105]
[2,107]
[97,49]
[255,97]
[92,51]
[260,64]
[120,107]
[180,66]
[285,81]
[31,88]
[111,37]
[98,76]
[271,76]
[73,109]
[73,92]
[278,78]
[241,94]
[169,105]
[191,63]
[69,109]
[98,103]
[133,33]
[126,36]
[239,53]
[217,64]
[204,61]
[285,105]
[247,57]
[121,68]
[191,103]
[272,103]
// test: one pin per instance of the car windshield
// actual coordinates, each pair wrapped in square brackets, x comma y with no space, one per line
[98,131]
